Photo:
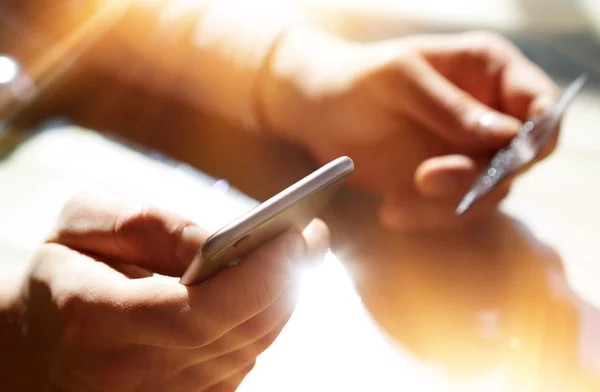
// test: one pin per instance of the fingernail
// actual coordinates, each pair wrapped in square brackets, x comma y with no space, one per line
[496,123]
[192,238]
[444,185]
[296,248]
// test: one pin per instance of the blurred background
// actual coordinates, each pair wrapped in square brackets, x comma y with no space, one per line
[519,313]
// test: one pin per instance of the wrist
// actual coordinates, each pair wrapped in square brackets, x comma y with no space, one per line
[232,41]
[295,77]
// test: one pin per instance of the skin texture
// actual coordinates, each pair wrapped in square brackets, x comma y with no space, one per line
[420,115]
[90,317]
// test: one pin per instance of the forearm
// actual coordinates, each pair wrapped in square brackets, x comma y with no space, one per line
[209,55]
[208,52]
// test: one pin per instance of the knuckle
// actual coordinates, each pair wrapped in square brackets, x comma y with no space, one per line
[263,323]
[265,295]
[46,253]
[186,332]
[404,54]
[488,40]
[489,49]
[259,325]
[77,202]
[71,215]
[393,57]
[464,117]
[137,229]
[149,232]
[460,105]
[404,61]
[268,275]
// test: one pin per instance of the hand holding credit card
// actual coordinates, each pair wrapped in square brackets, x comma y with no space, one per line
[522,149]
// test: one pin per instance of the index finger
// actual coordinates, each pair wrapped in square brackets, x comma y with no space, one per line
[526,89]
[161,312]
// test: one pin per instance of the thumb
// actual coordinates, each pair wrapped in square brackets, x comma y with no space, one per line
[143,236]
[448,111]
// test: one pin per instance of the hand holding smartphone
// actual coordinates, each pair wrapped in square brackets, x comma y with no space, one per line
[294,207]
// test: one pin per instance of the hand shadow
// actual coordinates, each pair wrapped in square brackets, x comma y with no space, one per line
[491,297]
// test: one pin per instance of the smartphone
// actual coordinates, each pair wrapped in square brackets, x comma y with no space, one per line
[294,207]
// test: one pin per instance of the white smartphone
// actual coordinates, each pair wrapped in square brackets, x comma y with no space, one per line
[294,207]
